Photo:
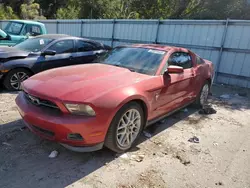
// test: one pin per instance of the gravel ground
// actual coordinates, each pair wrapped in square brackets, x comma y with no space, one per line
[167,159]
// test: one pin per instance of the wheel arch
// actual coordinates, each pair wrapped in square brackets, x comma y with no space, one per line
[15,67]
[22,67]
[139,100]
[143,105]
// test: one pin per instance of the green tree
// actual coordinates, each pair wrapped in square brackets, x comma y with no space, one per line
[31,10]
[50,7]
[6,13]
[69,12]
[120,9]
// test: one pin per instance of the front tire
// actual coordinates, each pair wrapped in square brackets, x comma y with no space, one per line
[125,128]
[14,78]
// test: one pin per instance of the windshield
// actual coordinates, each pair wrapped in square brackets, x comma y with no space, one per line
[33,44]
[13,28]
[142,60]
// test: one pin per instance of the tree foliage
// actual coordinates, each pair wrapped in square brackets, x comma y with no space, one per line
[7,13]
[30,10]
[125,9]
[71,11]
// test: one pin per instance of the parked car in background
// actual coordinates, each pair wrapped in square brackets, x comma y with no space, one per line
[109,102]
[42,53]
[17,31]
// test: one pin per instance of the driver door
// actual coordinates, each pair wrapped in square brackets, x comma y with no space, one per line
[177,88]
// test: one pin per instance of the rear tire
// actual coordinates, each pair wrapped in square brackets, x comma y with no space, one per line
[125,128]
[203,95]
[15,77]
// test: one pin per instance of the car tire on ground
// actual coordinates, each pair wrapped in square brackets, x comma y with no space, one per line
[125,128]
[203,95]
[15,77]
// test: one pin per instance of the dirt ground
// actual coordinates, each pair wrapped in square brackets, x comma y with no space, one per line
[167,159]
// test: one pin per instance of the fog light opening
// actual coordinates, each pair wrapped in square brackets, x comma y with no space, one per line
[74,136]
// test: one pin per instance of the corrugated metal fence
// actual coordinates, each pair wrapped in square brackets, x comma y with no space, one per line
[225,42]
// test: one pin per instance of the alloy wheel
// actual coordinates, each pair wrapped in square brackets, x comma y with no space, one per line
[128,128]
[17,78]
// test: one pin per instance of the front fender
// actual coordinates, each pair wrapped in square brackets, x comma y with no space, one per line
[133,98]
[7,66]
[17,63]
[112,101]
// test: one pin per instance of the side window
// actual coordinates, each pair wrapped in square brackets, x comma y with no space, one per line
[181,59]
[64,46]
[33,30]
[199,60]
[83,46]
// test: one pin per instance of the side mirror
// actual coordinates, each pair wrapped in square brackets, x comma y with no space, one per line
[174,69]
[48,52]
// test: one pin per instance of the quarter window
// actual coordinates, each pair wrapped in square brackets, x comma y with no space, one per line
[181,59]
[64,46]
[199,60]
[83,46]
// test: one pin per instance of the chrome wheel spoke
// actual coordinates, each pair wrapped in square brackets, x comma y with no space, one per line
[22,76]
[15,85]
[121,132]
[14,81]
[135,119]
[123,138]
[123,126]
[14,77]
[127,138]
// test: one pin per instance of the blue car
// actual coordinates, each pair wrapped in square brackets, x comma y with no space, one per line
[45,52]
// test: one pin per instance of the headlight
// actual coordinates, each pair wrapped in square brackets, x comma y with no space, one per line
[80,109]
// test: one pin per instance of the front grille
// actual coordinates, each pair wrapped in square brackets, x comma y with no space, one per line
[40,102]
[43,131]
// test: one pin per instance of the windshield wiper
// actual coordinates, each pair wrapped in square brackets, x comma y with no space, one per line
[119,65]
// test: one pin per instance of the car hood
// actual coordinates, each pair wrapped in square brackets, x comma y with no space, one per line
[8,52]
[81,82]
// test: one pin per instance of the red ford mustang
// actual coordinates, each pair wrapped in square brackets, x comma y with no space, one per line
[109,102]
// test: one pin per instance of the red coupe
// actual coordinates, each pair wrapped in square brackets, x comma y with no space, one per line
[109,102]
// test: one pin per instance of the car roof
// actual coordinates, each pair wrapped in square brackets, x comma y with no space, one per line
[64,36]
[156,47]
[53,36]
[28,22]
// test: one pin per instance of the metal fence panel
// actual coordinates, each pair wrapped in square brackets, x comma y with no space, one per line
[51,27]
[97,29]
[140,31]
[70,28]
[238,36]
[191,34]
